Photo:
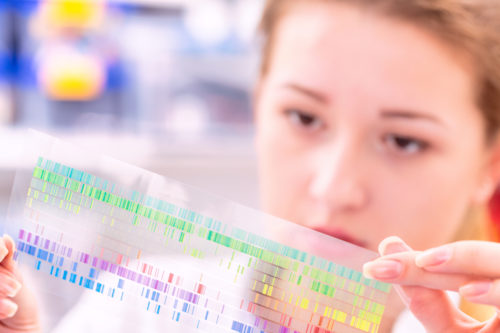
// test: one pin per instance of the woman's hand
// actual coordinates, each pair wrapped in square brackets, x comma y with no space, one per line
[18,310]
[470,267]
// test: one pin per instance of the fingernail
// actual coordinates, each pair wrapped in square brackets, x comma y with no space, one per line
[475,289]
[433,257]
[392,244]
[12,288]
[7,308]
[383,269]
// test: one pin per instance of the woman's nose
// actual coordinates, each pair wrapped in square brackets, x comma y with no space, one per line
[337,179]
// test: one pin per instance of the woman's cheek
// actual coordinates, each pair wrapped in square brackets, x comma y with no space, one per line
[283,179]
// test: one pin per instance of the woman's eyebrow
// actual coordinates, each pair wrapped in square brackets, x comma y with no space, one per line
[411,115]
[317,96]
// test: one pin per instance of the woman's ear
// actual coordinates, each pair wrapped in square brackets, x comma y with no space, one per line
[492,173]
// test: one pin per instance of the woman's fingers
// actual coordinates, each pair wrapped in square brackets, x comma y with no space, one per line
[474,258]
[400,268]
[7,308]
[433,308]
[7,260]
[18,307]
[9,284]
[483,292]
[436,311]
[467,264]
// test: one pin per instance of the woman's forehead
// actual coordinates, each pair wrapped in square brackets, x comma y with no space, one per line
[339,51]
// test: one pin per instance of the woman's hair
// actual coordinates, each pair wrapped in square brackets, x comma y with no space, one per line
[469,26]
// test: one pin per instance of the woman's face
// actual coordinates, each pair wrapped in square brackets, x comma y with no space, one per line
[368,127]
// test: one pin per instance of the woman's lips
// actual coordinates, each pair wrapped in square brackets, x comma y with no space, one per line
[340,235]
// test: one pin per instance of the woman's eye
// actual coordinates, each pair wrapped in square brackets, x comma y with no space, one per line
[304,120]
[405,145]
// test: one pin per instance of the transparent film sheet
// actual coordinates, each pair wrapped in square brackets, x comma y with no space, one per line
[193,261]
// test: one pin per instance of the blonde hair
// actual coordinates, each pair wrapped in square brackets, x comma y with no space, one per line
[470,26]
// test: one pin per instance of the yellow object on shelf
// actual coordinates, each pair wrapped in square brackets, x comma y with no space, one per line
[72,77]
[81,14]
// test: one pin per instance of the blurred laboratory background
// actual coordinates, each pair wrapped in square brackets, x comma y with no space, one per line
[162,84]
[158,83]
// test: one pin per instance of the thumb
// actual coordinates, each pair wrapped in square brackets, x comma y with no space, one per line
[26,317]
[8,260]
[433,308]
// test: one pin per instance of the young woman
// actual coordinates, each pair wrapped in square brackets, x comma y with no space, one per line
[378,118]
